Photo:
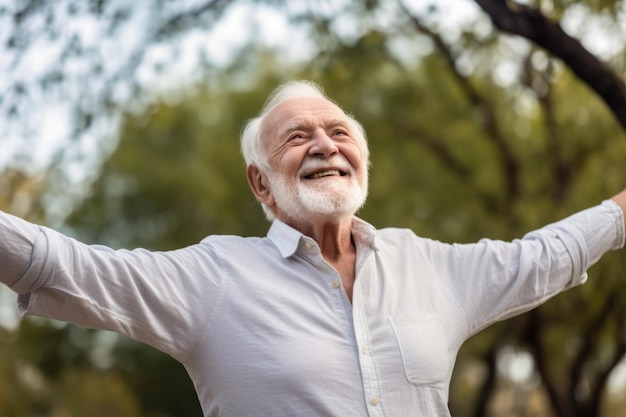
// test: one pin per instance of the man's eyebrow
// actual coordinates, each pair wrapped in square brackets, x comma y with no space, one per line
[306,126]
[295,126]
[338,122]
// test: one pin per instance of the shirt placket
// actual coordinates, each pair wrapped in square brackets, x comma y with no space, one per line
[355,313]
[372,384]
[340,301]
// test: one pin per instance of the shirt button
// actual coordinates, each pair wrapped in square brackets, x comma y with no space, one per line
[336,284]
[374,401]
[308,245]
[363,350]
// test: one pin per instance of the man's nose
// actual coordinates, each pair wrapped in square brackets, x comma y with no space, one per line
[322,145]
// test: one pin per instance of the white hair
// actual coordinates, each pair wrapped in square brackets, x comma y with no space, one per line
[251,141]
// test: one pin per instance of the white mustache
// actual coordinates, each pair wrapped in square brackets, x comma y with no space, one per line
[314,164]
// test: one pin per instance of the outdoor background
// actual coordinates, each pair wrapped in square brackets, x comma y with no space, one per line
[119,125]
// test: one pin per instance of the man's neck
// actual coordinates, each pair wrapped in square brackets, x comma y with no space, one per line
[334,238]
[333,235]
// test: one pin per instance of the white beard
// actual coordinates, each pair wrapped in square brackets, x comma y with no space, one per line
[301,202]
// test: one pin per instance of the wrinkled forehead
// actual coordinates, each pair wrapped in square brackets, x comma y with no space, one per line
[299,111]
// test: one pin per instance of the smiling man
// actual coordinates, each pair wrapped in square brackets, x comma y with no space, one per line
[310,170]
[326,315]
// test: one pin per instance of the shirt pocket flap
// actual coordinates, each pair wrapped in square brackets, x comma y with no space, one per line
[422,345]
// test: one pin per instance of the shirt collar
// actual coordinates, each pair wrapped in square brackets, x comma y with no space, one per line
[288,240]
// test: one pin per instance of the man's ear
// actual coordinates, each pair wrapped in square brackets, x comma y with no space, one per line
[259,185]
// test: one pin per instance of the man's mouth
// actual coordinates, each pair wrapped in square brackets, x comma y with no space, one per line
[326,173]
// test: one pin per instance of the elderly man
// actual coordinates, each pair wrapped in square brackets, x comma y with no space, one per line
[325,316]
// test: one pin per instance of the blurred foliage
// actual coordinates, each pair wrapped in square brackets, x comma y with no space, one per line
[176,176]
[21,192]
[470,138]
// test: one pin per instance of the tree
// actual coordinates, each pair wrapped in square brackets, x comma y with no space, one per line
[533,25]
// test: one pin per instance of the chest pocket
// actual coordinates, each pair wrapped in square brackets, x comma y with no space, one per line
[422,347]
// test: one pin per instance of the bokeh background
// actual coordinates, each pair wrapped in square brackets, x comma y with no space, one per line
[119,125]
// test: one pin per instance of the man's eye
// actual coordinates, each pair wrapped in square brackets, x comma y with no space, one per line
[340,133]
[296,136]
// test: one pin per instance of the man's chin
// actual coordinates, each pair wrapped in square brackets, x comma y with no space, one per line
[331,206]
[317,202]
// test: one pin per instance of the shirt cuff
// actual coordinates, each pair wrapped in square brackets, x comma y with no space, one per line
[616,220]
[17,238]
[597,230]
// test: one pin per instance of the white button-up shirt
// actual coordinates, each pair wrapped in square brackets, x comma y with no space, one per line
[264,327]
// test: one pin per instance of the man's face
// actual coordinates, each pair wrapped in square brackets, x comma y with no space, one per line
[317,160]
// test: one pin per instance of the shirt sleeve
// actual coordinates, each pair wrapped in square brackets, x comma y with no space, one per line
[494,280]
[16,242]
[154,297]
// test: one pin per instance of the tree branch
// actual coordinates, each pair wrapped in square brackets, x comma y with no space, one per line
[531,24]
[185,19]
[595,398]
[560,406]
[589,336]
[510,165]
[490,359]
[452,163]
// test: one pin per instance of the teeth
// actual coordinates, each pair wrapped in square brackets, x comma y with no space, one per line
[324,174]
